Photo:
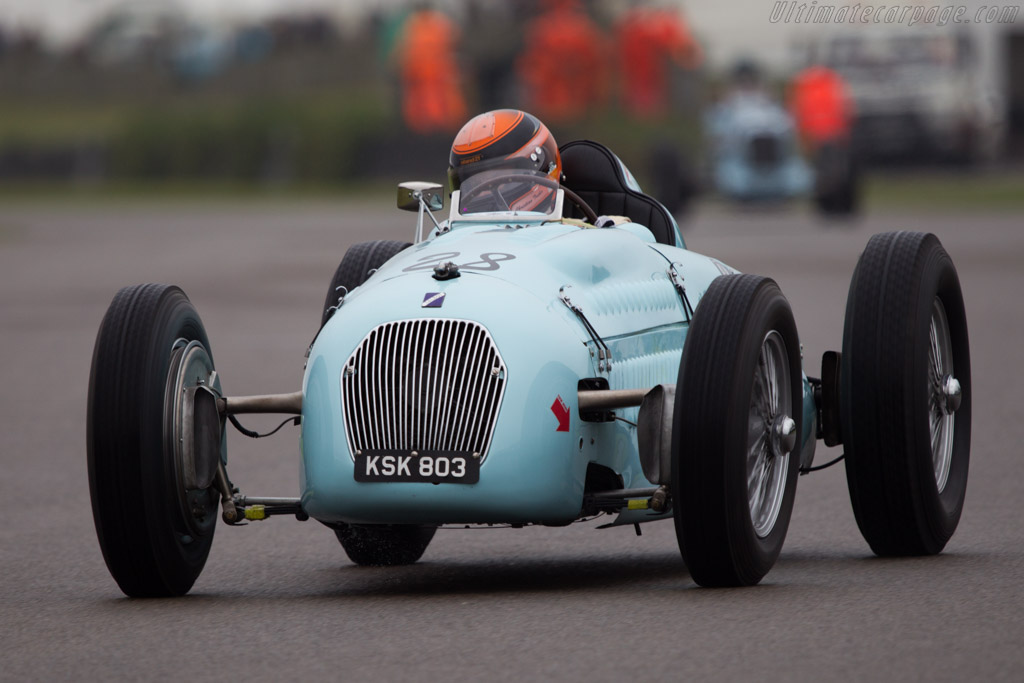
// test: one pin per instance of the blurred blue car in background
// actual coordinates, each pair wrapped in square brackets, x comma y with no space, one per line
[754,150]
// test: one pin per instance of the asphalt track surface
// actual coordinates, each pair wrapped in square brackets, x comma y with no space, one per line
[279,598]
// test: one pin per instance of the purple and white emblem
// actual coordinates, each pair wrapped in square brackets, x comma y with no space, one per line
[433,300]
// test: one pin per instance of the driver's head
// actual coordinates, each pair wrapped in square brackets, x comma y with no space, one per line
[504,139]
[746,74]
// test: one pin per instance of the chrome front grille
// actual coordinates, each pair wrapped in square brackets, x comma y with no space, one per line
[423,385]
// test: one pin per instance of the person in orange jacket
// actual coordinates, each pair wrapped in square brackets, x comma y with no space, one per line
[650,39]
[562,67]
[821,107]
[431,96]
[823,112]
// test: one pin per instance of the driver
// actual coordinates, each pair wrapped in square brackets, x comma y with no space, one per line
[501,142]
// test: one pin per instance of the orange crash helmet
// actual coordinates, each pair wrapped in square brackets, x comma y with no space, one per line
[509,141]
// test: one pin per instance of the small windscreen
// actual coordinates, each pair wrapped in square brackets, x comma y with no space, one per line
[508,191]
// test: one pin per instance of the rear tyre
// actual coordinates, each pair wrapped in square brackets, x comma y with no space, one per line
[736,424]
[355,268]
[384,546]
[905,395]
[154,533]
[837,180]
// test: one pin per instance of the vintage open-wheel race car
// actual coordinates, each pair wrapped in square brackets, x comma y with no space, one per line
[540,367]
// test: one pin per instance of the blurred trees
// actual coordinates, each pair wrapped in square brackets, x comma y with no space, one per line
[152,95]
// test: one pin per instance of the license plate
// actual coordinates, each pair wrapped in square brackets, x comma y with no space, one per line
[432,467]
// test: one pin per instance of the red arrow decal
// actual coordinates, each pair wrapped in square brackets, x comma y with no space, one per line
[561,411]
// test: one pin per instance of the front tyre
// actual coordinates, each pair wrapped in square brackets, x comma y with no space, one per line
[736,424]
[384,545]
[155,533]
[905,395]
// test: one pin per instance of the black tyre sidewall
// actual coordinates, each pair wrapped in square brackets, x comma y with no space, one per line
[709,477]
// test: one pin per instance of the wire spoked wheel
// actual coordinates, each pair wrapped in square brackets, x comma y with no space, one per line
[771,435]
[944,395]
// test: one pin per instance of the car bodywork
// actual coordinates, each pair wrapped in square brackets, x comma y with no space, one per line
[548,307]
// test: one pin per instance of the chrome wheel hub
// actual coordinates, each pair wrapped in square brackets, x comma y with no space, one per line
[945,393]
[783,436]
[951,395]
[771,434]
[191,366]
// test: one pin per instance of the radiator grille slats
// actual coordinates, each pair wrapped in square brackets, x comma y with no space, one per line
[423,385]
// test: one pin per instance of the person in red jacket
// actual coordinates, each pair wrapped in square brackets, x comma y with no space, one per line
[431,96]
[562,67]
[650,41]
[823,113]
[821,107]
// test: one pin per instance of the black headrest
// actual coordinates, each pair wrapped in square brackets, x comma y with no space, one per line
[595,174]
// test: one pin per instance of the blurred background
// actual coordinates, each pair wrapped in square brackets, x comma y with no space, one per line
[336,95]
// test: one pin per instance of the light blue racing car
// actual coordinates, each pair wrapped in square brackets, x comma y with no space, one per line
[755,150]
[755,157]
[541,366]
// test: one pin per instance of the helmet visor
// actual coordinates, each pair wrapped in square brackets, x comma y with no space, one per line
[508,191]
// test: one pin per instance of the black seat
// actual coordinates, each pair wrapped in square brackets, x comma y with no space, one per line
[596,175]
